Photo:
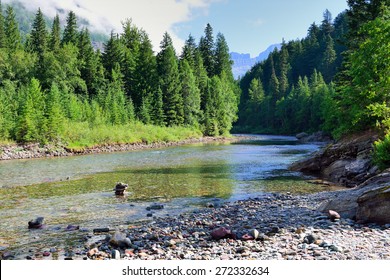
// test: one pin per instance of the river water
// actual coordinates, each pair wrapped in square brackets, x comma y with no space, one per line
[79,190]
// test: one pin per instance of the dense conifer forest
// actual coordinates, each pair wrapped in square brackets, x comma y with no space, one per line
[55,87]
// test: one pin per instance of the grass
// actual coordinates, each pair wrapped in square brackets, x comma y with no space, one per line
[79,136]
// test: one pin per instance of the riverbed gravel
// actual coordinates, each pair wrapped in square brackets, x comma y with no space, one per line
[269,227]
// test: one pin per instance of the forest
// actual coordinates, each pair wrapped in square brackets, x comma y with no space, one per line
[336,80]
[55,87]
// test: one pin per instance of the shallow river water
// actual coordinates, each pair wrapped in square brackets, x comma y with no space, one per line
[79,190]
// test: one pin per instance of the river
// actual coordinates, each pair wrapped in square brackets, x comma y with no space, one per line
[79,190]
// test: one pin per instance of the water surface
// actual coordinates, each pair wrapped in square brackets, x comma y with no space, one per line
[79,190]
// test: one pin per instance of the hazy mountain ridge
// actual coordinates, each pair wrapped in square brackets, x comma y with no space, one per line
[25,17]
[243,62]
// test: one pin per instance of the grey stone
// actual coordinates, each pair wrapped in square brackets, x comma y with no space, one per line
[115,254]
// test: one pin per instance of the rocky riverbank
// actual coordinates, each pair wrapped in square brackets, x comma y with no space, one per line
[35,150]
[272,226]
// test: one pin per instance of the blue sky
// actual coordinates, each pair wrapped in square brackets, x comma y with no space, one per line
[250,26]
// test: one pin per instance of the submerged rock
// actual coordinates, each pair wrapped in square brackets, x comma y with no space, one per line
[36,224]
[120,188]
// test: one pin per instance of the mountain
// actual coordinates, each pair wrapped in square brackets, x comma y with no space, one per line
[243,62]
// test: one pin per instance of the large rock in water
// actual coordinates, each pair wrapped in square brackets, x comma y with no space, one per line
[367,203]
[347,162]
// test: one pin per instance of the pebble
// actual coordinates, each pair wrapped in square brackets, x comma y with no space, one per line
[292,228]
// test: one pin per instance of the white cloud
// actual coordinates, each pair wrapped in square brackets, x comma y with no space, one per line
[154,16]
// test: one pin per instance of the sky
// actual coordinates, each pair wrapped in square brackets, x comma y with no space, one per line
[249,26]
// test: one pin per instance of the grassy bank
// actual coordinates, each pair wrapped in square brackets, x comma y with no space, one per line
[82,135]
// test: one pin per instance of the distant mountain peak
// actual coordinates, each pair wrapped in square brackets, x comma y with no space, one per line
[243,62]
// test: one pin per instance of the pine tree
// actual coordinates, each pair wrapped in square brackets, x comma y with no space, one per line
[3,36]
[113,54]
[207,50]
[70,31]
[11,28]
[191,95]
[222,57]
[157,108]
[39,34]
[167,66]
[284,67]
[31,125]
[189,51]
[55,36]
[54,114]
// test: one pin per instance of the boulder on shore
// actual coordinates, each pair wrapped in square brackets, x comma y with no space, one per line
[347,162]
[367,203]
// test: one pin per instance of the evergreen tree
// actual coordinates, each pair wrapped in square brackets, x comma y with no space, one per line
[222,57]
[157,108]
[168,72]
[55,36]
[189,51]
[191,95]
[207,50]
[70,31]
[11,28]
[113,54]
[39,34]
[3,36]
[54,114]
[31,124]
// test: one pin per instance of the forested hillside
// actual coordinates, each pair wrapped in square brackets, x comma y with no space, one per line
[336,80]
[54,87]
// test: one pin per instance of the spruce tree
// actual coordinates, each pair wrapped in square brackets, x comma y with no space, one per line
[207,50]
[13,38]
[55,35]
[3,36]
[167,65]
[70,31]
[54,114]
[222,57]
[157,108]
[191,95]
[189,51]
[39,34]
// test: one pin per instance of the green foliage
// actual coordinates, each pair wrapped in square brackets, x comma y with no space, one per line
[382,152]
[59,89]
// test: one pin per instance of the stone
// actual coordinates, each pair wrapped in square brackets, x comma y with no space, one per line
[115,254]
[149,215]
[247,237]
[374,206]
[222,233]
[120,239]
[156,207]
[72,228]
[46,254]
[120,189]
[301,135]
[101,230]
[309,239]
[36,224]
[254,233]
[333,215]
[366,197]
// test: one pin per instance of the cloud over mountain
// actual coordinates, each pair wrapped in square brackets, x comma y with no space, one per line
[154,16]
